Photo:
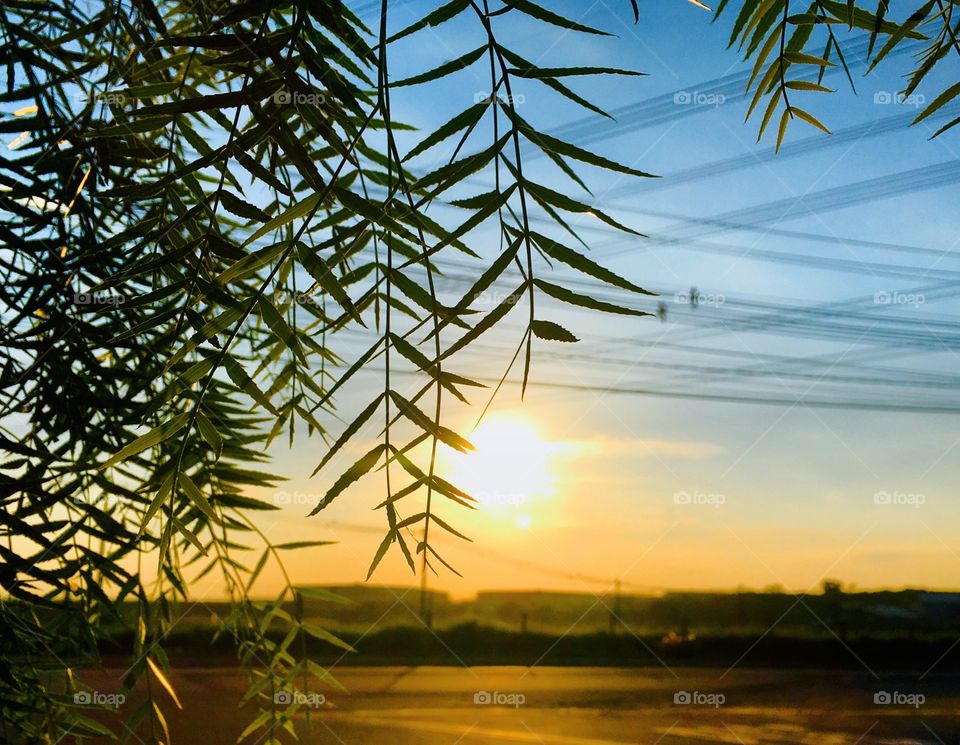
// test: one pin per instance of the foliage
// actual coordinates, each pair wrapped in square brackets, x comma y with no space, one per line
[792,44]
[205,198]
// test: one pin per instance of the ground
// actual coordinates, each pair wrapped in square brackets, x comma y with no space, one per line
[587,706]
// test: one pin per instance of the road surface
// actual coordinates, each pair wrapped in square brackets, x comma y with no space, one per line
[586,706]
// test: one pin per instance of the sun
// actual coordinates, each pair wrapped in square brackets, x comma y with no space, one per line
[512,469]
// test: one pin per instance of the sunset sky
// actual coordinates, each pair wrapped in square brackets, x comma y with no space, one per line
[579,485]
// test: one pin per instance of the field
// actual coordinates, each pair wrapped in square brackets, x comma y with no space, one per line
[586,706]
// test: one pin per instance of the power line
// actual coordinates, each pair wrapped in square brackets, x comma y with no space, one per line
[671,106]
[816,143]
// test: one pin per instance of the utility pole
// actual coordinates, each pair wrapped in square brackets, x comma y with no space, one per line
[425,611]
[615,614]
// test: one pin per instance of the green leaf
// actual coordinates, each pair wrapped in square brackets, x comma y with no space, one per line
[799,58]
[196,496]
[581,263]
[245,383]
[551,331]
[552,144]
[768,114]
[556,85]
[809,119]
[209,433]
[239,207]
[163,493]
[209,330]
[445,69]
[782,130]
[251,263]
[562,201]
[906,29]
[279,326]
[948,95]
[415,415]
[238,501]
[352,474]
[302,544]
[154,437]
[300,209]
[442,14]
[381,552]
[324,635]
[807,85]
[584,301]
[328,281]
[488,321]
[460,169]
[464,120]
[349,432]
[542,14]
[162,679]
[560,72]
[446,526]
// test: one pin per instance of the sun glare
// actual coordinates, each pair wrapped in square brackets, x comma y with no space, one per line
[512,469]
